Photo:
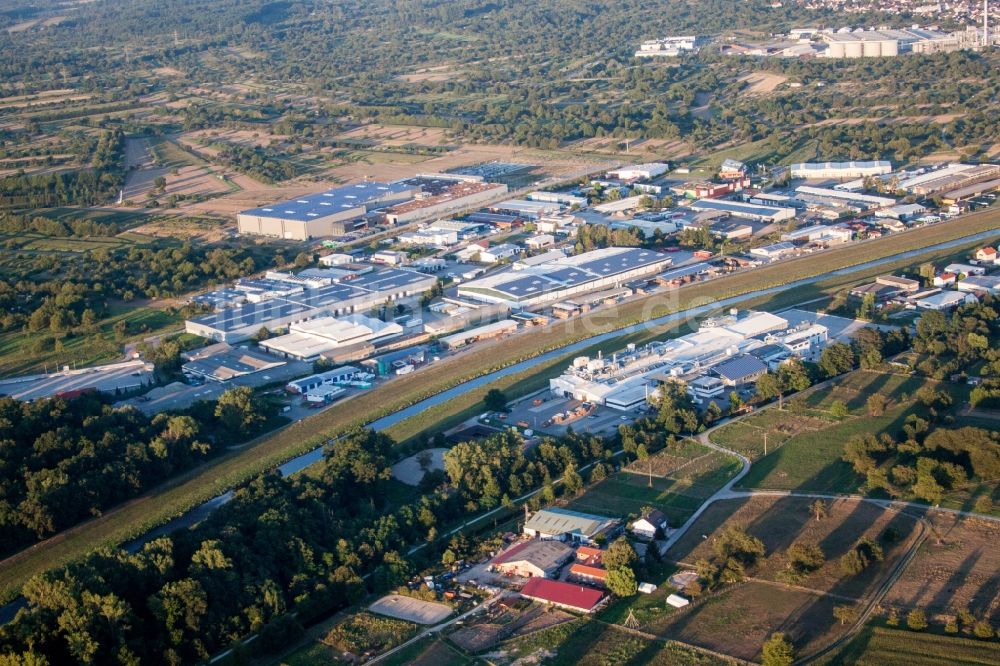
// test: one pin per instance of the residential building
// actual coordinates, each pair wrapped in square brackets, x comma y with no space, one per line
[945,279]
[986,255]
[588,574]
[650,524]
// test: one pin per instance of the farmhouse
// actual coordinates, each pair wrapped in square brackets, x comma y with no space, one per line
[649,524]
[566,525]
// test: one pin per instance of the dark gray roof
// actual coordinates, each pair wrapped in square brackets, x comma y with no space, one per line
[740,368]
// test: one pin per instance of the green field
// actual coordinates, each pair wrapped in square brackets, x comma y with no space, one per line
[677,495]
[155,508]
[882,646]
[590,642]
[19,353]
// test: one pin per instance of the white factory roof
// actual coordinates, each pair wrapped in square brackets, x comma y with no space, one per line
[847,196]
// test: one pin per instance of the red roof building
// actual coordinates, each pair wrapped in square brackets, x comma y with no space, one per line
[585,573]
[564,595]
[589,555]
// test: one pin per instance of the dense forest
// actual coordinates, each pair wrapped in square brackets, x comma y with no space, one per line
[62,294]
[62,461]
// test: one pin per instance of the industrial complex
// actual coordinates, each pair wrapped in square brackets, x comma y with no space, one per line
[565,277]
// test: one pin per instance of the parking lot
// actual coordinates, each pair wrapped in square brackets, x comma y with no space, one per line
[410,609]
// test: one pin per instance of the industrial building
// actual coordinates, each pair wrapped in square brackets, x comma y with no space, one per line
[854,169]
[885,43]
[310,339]
[565,277]
[453,198]
[538,558]
[360,294]
[485,332]
[525,209]
[428,238]
[949,178]
[625,380]
[840,197]
[222,362]
[330,213]
[566,525]
[668,47]
[343,375]
[647,171]
[563,198]
[767,214]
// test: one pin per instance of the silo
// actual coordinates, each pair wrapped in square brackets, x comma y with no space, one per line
[873,48]
[890,47]
[853,49]
[835,50]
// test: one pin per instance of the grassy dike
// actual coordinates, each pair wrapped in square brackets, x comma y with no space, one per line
[156,507]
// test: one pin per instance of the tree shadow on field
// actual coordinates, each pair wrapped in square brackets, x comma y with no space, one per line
[774,526]
[942,599]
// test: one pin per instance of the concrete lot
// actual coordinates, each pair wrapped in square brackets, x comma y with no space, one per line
[124,376]
[410,609]
[408,470]
[174,396]
[602,420]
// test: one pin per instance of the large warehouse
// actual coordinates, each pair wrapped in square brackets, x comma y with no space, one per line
[818,170]
[308,340]
[340,298]
[561,278]
[745,210]
[330,213]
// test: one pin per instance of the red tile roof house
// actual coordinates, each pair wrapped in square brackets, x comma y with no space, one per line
[585,573]
[986,254]
[563,595]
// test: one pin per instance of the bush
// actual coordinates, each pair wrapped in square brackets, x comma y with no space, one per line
[916,620]
[983,629]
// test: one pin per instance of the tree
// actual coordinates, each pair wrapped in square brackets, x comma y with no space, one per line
[240,412]
[495,400]
[836,359]
[620,554]
[803,559]
[572,481]
[876,404]
[916,620]
[838,409]
[846,614]
[983,629]
[768,386]
[777,651]
[621,582]
[818,509]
